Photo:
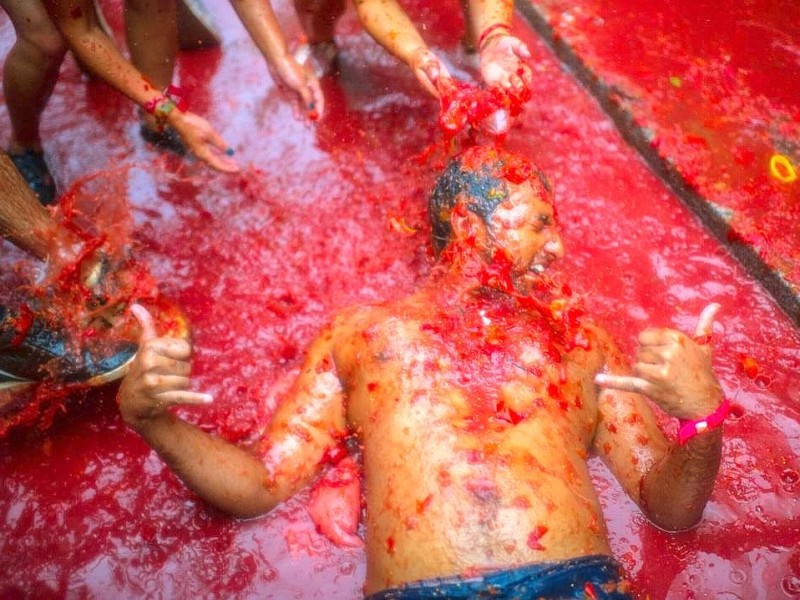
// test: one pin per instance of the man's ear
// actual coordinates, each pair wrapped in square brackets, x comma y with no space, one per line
[466,225]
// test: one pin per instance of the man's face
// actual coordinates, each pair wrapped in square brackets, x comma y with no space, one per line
[524,227]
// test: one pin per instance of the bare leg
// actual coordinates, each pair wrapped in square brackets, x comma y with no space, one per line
[151,31]
[318,18]
[469,41]
[196,27]
[31,70]
[23,221]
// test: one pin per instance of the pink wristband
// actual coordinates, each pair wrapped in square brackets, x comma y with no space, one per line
[689,429]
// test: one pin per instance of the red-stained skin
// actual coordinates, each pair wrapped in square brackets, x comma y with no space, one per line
[335,504]
[85,497]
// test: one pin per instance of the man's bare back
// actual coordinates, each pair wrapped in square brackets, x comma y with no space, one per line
[476,401]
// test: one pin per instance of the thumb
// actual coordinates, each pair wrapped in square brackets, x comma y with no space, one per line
[145,322]
[705,324]
[521,50]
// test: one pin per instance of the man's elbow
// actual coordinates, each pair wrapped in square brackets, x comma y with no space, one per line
[239,508]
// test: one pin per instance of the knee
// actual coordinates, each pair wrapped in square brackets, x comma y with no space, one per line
[45,43]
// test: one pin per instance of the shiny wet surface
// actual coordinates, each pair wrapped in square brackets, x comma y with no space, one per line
[710,93]
[329,214]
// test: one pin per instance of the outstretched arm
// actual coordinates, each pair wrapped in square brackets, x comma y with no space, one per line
[77,22]
[390,26]
[261,23]
[671,482]
[503,56]
[237,482]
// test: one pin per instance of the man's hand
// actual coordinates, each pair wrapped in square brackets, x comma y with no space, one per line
[202,140]
[303,81]
[674,370]
[430,71]
[503,63]
[158,377]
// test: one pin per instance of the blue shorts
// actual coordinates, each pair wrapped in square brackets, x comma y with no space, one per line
[586,578]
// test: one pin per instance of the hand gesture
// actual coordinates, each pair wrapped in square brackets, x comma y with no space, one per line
[430,71]
[674,370]
[202,141]
[158,377]
[503,63]
[303,81]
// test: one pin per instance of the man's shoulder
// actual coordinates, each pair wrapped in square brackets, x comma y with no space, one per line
[376,317]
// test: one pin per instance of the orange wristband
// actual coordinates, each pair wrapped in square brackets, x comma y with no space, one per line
[488,31]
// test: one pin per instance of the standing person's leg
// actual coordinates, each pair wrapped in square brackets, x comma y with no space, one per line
[30,348]
[23,221]
[29,76]
[151,31]
[318,19]
[469,40]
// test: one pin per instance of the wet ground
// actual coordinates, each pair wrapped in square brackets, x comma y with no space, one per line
[331,213]
[709,94]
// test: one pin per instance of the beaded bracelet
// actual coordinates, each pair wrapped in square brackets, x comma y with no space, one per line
[161,106]
[488,31]
[689,429]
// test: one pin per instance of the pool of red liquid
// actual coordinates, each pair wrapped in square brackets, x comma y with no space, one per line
[715,90]
[330,213]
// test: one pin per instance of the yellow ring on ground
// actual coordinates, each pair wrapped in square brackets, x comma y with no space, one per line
[782,169]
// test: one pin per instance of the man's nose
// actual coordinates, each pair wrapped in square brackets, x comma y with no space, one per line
[555,245]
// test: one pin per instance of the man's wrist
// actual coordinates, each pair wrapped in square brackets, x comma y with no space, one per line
[689,428]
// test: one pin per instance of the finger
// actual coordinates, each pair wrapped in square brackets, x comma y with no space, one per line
[526,75]
[705,325]
[158,384]
[171,348]
[318,98]
[427,82]
[516,83]
[184,397]
[444,82]
[155,359]
[146,323]
[165,366]
[304,90]
[659,337]
[216,140]
[216,161]
[649,373]
[622,382]
[432,72]
[521,49]
[649,355]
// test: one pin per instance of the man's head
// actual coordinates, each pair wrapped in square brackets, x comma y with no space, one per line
[496,200]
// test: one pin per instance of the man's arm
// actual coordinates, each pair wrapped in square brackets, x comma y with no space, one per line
[503,56]
[670,482]
[261,23]
[306,426]
[77,22]
[390,26]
